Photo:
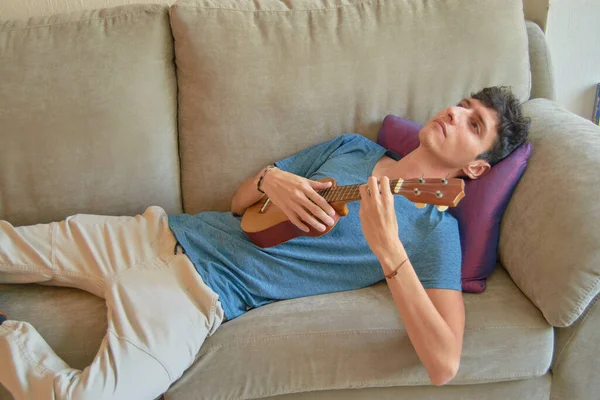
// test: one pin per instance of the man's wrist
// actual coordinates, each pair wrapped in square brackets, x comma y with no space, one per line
[391,257]
[263,176]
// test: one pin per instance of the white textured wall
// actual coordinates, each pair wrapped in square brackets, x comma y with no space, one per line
[573,33]
[22,9]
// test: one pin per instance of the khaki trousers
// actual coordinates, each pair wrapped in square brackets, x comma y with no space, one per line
[159,309]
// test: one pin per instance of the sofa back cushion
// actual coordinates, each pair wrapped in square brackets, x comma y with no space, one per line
[260,80]
[88,115]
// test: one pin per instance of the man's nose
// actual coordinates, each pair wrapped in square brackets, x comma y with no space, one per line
[452,115]
[455,114]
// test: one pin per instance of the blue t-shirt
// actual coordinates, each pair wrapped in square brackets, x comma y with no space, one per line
[246,276]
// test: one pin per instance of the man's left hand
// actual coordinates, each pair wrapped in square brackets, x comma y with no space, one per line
[378,217]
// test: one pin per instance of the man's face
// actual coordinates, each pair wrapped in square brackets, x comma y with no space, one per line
[457,135]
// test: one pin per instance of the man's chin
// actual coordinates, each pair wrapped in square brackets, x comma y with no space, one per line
[428,139]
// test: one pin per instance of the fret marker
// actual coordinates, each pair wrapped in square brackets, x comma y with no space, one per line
[398,186]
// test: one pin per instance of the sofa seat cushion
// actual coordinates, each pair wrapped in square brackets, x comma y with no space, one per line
[357,339]
[342,340]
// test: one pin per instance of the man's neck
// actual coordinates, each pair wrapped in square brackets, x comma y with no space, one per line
[416,164]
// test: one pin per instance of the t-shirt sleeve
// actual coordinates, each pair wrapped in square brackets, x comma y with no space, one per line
[438,261]
[309,160]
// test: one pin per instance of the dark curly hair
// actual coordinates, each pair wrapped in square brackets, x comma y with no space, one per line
[512,127]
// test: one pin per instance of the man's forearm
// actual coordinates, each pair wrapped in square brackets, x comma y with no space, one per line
[435,343]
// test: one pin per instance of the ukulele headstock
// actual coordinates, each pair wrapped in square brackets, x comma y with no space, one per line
[443,192]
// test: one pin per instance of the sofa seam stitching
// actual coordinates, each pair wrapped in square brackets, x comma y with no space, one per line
[547,60]
[207,349]
[575,330]
[583,302]
[76,21]
[394,383]
[274,11]
[530,80]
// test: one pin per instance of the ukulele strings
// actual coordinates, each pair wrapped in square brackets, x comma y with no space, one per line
[342,192]
[392,185]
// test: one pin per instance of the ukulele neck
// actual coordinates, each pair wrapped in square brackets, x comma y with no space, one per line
[444,192]
[351,192]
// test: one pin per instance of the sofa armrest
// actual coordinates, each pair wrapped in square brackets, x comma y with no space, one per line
[542,76]
[576,353]
[549,236]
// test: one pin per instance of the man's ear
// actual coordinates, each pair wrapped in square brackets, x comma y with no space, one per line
[477,169]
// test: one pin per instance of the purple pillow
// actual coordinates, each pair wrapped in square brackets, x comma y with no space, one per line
[480,211]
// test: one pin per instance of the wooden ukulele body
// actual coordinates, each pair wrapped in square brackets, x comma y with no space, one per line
[270,227]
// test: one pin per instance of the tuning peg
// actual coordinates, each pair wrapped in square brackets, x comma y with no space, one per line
[445,180]
[442,208]
[420,205]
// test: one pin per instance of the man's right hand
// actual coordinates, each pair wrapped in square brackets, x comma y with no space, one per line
[297,198]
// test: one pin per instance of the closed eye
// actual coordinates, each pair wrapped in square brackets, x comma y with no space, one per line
[474,125]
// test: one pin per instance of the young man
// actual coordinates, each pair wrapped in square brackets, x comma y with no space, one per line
[171,281]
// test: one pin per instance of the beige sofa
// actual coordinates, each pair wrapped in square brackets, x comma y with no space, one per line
[110,111]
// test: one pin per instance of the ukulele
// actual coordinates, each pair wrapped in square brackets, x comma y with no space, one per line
[267,226]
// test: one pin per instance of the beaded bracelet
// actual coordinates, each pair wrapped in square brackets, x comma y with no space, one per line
[391,275]
[270,167]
